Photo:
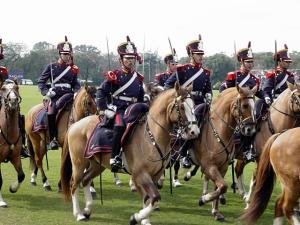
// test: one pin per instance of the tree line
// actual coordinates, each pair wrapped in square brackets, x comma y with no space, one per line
[93,63]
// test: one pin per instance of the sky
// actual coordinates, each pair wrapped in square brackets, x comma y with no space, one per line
[150,23]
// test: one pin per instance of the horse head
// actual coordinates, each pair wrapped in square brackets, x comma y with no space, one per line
[152,89]
[181,111]
[294,102]
[243,110]
[10,96]
[84,102]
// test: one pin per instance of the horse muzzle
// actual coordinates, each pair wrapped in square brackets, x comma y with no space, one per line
[191,132]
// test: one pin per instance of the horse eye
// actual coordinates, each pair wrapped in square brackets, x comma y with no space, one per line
[245,106]
[182,107]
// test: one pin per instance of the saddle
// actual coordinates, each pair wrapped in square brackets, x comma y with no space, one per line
[64,103]
[101,138]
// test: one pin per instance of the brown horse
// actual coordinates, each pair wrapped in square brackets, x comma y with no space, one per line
[280,157]
[84,105]
[212,150]
[10,136]
[284,114]
[146,153]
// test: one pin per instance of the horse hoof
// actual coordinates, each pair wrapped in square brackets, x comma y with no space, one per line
[219,217]
[159,186]
[119,183]
[186,178]
[12,190]
[3,204]
[132,220]
[81,218]
[87,216]
[223,201]
[201,202]
[48,188]
[133,189]
[33,183]
[157,209]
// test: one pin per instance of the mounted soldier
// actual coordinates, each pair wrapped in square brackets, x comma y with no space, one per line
[63,77]
[244,78]
[276,80]
[193,73]
[121,88]
[171,63]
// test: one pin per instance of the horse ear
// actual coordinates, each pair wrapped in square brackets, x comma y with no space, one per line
[15,80]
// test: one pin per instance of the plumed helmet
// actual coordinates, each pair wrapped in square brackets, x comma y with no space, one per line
[128,49]
[245,54]
[65,47]
[283,55]
[195,46]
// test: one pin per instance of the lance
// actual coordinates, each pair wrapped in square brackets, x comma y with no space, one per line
[174,55]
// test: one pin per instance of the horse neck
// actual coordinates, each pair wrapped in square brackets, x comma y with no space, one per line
[9,122]
[77,111]
[279,120]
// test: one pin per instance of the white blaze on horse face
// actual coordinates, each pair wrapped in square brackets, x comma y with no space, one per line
[190,115]
[252,105]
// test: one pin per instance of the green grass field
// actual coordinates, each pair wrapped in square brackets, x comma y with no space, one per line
[33,205]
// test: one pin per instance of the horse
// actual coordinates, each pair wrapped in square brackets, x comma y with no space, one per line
[280,157]
[83,105]
[232,111]
[10,137]
[145,154]
[284,114]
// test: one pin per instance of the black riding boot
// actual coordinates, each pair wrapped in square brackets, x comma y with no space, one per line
[115,159]
[186,158]
[53,132]
[24,151]
[248,148]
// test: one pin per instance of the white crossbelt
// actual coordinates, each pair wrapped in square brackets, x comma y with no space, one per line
[63,85]
[282,82]
[61,75]
[192,78]
[128,99]
[117,92]
[244,81]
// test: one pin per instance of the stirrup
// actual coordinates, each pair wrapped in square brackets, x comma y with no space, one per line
[24,152]
[115,164]
[53,144]
[186,162]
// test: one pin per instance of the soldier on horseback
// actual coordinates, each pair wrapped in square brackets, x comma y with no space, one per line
[193,73]
[121,88]
[161,78]
[244,78]
[3,76]
[63,77]
[276,80]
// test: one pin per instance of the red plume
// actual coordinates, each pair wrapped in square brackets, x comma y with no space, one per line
[249,44]
[285,46]
[66,38]
[200,38]
[128,39]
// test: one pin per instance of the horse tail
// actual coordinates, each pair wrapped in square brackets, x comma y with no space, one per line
[31,152]
[264,185]
[66,170]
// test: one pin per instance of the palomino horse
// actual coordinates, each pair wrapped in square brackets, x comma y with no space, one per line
[212,150]
[284,114]
[146,153]
[10,137]
[280,157]
[84,105]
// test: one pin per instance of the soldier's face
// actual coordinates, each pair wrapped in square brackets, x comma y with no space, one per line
[65,57]
[129,62]
[197,58]
[172,66]
[248,65]
[284,64]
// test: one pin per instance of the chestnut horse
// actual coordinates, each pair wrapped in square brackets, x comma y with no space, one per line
[212,150]
[280,157]
[10,136]
[284,114]
[84,105]
[146,153]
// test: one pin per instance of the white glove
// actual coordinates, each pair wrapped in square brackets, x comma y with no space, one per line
[110,112]
[268,100]
[50,93]
[75,94]
[208,98]
[147,98]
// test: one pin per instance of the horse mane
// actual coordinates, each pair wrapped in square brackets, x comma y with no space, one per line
[225,97]
[161,100]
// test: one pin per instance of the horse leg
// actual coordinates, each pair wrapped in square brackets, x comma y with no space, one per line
[2,202]
[117,180]
[132,185]
[190,174]
[93,190]
[39,162]
[33,146]
[205,185]
[239,168]
[160,182]
[290,201]
[151,197]
[16,161]
[176,182]
[214,174]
